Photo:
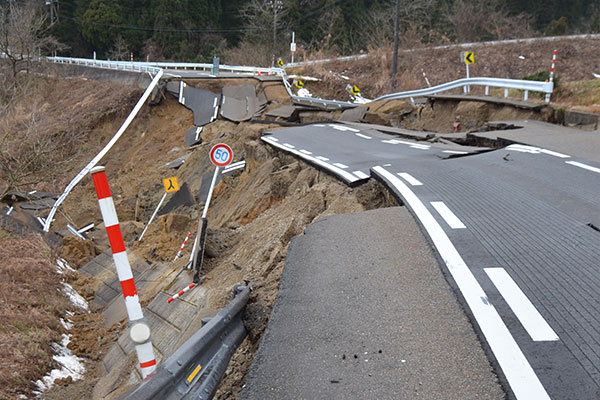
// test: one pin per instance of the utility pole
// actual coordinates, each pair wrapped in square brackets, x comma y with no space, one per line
[53,8]
[276,4]
[395,60]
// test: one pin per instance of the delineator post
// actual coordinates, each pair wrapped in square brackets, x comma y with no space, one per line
[139,330]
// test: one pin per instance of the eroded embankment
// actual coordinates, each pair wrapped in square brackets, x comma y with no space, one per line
[252,218]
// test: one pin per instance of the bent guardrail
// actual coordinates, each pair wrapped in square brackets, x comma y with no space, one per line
[195,369]
[527,86]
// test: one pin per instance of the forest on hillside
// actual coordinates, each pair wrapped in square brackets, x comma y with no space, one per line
[196,30]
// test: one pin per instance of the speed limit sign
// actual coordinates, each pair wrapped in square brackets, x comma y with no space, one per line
[221,155]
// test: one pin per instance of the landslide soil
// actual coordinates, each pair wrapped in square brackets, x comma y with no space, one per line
[252,218]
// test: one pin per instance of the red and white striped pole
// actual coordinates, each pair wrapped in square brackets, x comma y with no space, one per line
[139,331]
[551,74]
[182,246]
[425,76]
[185,289]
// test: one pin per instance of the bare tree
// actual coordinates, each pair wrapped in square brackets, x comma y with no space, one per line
[476,20]
[23,35]
[264,18]
[119,51]
[379,23]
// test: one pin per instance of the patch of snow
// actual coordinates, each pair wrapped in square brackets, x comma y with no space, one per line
[66,324]
[304,93]
[70,365]
[62,266]
[75,297]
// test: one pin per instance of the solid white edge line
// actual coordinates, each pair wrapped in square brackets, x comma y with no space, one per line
[522,379]
[338,171]
[584,166]
[410,179]
[340,165]
[451,219]
[455,152]
[363,136]
[361,174]
[528,315]
[555,153]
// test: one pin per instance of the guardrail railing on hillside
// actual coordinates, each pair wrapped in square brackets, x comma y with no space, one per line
[526,86]
[140,66]
[153,67]
[195,369]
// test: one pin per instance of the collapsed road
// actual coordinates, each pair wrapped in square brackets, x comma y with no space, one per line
[496,257]
[516,229]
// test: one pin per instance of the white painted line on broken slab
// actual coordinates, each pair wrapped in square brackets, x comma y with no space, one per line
[322,158]
[555,153]
[273,138]
[410,179]
[343,128]
[289,146]
[584,166]
[536,150]
[455,152]
[361,174]
[306,152]
[420,146]
[528,315]
[518,372]
[451,219]
[340,165]
[338,171]
[363,136]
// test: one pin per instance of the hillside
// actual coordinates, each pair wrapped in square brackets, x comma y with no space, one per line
[254,214]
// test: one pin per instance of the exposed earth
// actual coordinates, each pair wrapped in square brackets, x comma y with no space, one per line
[254,213]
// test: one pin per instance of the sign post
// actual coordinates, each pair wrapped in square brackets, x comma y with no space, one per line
[469,58]
[293,45]
[221,155]
[171,185]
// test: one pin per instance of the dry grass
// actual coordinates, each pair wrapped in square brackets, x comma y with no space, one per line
[576,61]
[47,124]
[31,304]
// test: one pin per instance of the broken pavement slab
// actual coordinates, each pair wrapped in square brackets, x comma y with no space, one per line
[570,141]
[367,319]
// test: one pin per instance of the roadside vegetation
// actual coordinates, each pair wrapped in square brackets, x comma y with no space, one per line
[31,305]
[50,126]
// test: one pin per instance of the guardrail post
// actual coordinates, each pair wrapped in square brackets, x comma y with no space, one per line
[526,95]
[139,331]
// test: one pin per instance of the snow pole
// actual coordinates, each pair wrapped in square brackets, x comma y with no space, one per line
[139,331]
[551,78]
[425,76]
[182,246]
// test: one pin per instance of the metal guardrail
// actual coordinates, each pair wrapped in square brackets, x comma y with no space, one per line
[195,369]
[533,86]
[152,67]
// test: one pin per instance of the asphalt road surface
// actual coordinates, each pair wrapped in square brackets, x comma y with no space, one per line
[364,312]
[517,232]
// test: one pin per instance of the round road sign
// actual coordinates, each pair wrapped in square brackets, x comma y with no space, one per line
[221,155]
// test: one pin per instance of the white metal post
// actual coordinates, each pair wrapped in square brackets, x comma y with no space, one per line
[153,215]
